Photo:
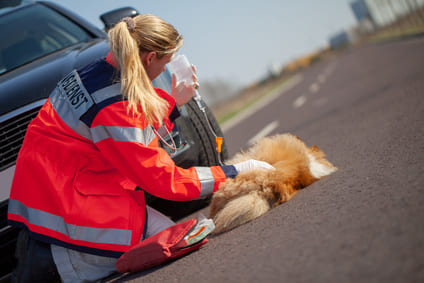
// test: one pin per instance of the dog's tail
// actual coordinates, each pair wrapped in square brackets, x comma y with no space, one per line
[240,210]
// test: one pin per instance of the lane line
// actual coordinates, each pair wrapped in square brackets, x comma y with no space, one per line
[289,84]
[264,132]
[299,102]
[313,88]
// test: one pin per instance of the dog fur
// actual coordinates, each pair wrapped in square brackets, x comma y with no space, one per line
[253,193]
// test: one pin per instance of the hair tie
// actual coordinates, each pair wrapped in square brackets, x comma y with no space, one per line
[130,23]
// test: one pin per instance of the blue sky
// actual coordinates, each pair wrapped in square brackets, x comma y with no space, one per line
[238,40]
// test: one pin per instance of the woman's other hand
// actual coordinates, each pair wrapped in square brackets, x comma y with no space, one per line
[184,91]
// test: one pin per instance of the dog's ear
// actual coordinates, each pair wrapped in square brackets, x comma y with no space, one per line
[315,148]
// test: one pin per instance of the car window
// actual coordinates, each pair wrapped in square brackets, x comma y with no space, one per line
[33,32]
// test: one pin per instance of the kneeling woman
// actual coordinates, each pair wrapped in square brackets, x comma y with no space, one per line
[91,146]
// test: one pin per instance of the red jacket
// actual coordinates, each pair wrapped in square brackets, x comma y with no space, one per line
[83,157]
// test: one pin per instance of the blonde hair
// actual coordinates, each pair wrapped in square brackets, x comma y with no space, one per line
[130,37]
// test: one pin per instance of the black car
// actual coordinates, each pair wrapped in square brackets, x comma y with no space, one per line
[41,43]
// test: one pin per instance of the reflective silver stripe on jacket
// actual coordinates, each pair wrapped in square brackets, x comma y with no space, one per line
[207,181]
[69,117]
[107,92]
[58,224]
[126,134]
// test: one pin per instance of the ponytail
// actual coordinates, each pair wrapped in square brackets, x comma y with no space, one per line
[126,42]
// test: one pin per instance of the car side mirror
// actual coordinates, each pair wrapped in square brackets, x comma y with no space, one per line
[110,18]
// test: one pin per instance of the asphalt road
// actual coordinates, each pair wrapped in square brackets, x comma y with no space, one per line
[364,223]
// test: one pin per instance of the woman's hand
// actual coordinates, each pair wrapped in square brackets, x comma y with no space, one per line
[184,91]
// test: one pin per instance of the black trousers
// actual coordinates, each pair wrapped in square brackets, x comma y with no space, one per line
[35,261]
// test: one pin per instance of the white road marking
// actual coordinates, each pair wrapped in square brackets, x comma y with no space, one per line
[299,101]
[313,88]
[262,103]
[264,132]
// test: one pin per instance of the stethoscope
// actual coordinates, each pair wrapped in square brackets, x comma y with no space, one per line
[174,147]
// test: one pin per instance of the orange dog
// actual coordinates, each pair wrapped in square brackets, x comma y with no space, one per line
[253,193]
